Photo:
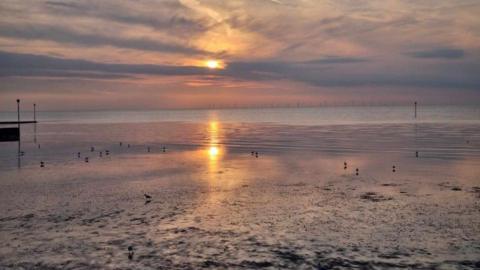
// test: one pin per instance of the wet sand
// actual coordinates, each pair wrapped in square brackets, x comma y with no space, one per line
[214,205]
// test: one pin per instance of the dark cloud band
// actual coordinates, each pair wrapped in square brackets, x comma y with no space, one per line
[323,74]
[446,53]
[62,35]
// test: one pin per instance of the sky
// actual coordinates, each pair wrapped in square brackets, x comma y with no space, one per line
[145,54]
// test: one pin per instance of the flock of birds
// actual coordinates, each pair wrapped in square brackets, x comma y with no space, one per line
[92,149]
[394,168]
[148,198]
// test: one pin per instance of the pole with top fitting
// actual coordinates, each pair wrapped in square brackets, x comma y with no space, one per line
[19,135]
[415,110]
[18,113]
[35,124]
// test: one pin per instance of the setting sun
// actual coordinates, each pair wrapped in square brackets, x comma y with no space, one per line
[213,64]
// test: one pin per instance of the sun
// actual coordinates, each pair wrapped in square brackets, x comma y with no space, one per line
[213,64]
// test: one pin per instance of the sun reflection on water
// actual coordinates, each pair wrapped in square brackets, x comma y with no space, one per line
[213,152]
[213,149]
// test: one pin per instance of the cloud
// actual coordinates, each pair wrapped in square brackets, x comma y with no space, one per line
[15,64]
[340,74]
[324,72]
[64,74]
[172,17]
[275,1]
[62,35]
[336,60]
[445,53]
[62,4]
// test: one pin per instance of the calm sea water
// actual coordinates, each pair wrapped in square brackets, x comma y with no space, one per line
[290,116]
[440,132]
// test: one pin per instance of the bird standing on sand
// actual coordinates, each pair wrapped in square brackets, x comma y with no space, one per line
[148,198]
[130,252]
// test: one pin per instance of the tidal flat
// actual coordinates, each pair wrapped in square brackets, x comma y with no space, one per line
[215,204]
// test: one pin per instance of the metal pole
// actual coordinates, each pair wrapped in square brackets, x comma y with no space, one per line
[18,113]
[34,112]
[415,110]
[19,135]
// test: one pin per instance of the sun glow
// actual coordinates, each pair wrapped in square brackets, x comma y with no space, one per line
[213,151]
[213,64]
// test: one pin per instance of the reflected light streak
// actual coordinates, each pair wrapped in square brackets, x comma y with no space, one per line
[213,151]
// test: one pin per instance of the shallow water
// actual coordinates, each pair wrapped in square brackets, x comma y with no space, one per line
[216,206]
[287,116]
